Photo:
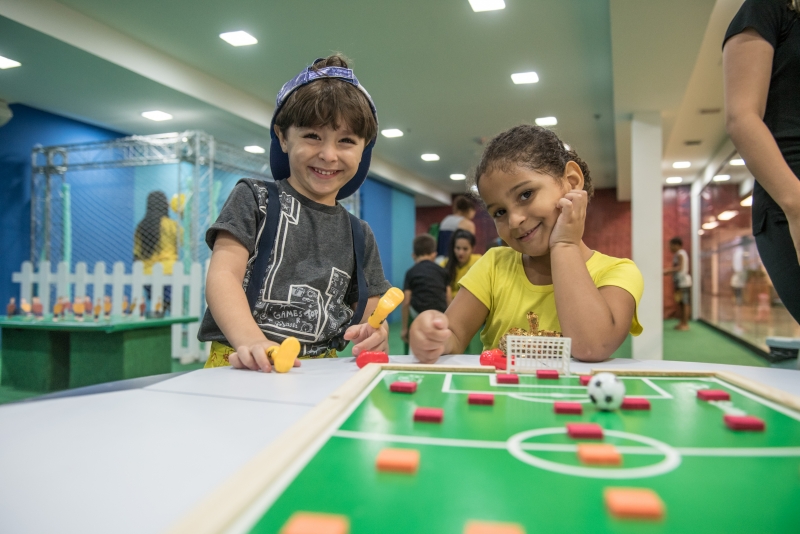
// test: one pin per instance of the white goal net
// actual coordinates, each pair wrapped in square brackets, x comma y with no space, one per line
[526,354]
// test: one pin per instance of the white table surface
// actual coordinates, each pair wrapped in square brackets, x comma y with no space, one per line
[138,460]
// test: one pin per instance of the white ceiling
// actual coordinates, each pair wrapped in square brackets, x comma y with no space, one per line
[436,70]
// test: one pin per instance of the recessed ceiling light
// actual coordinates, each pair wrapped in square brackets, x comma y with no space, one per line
[727,215]
[524,77]
[701,232]
[722,177]
[747,201]
[458,176]
[681,164]
[239,38]
[430,157]
[156,115]
[474,189]
[546,121]
[486,5]
[567,147]
[737,162]
[392,132]
[6,63]
[710,225]
[674,180]
[254,149]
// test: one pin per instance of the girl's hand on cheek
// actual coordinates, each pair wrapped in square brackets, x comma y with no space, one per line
[568,229]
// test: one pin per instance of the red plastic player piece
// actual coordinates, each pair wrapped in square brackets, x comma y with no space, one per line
[575,408]
[744,422]
[403,387]
[635,403]
[480,398]
[713,395]
[371,357]
[507,379]
[585,379]
[584,431]
[429,415]
[493,358]
[549,374]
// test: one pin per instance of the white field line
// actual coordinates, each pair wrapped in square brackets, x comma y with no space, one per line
[769,404]
[554,447]
[655,387]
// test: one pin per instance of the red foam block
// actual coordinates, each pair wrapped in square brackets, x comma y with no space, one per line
[429,415]
[713,395]
[371,357]
[550,374]
[575,408]
[480,398]
[585,379]
[635,403]
[403,387]
[744,422]
[507,379]
[584,431]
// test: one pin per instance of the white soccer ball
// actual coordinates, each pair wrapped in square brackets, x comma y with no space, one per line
[606,391]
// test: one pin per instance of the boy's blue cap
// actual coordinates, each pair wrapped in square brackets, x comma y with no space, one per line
[279,160]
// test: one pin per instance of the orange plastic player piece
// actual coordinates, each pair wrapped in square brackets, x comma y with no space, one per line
[599,454]
[398,461]
[634,503]
[311,523]
[485,527]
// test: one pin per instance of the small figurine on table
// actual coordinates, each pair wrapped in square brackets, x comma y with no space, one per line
[132,308]
[38,308]
[124,305]
[79,308]
[87,306]
[25,307]
[142,308]
[58,307]
[11,309]
[159,311]
[97,309]
[66,309]
[107,306]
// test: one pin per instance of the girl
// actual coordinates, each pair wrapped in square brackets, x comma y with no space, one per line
[460,257]
[156,241]
[537,192]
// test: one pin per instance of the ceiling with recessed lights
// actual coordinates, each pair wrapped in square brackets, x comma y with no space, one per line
[439,72]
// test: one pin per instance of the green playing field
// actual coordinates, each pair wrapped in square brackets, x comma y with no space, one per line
[513,461]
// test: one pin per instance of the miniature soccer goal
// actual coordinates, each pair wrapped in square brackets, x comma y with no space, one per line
[526,354]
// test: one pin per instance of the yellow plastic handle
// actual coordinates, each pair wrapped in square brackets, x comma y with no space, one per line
[389,301]
[283,357]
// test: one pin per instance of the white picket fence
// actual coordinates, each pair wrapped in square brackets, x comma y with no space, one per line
[74,285]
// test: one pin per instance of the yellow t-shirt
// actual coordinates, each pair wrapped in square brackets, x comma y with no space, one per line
[498,280]
[461,271]
[166,250]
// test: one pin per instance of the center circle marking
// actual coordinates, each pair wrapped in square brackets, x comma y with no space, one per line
[672,457]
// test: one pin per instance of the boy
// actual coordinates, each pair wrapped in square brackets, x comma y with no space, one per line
[323,131]
[461,219]
[427,286]
[682,280]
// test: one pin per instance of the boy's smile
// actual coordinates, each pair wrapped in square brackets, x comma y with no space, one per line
[321,160]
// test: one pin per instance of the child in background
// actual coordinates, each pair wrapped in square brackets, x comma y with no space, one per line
[426,285]
[682,281]
[537,192]
[324,128]
[156,241]
[460,257]
[461,219]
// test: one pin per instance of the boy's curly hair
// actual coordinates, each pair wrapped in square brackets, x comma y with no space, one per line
[329,102]
[534,148]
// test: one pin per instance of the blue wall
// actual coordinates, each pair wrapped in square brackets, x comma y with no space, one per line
[391,215]
[28,128]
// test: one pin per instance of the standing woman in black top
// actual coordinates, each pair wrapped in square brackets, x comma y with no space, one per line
[761,65]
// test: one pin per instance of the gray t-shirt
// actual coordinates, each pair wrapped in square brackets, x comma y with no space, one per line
[307,291]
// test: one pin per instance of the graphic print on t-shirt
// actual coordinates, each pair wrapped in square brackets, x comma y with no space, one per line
[306,313]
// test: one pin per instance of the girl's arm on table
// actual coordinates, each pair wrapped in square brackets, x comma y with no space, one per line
[597,320]
[435,333]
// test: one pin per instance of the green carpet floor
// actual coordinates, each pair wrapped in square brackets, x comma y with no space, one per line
[699,344]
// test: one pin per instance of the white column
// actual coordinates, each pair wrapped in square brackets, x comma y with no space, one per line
[697,189]
[647,231]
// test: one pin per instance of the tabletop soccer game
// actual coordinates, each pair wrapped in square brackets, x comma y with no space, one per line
[531,448]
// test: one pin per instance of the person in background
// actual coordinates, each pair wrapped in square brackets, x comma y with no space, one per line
[461,219]
[460,257]
[156,240]
[682,280]
[761,76]
[426,286]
